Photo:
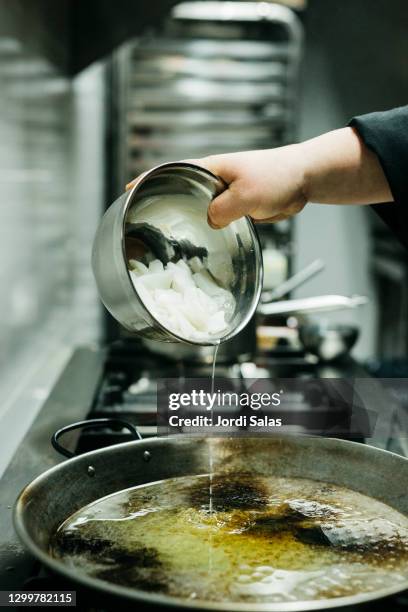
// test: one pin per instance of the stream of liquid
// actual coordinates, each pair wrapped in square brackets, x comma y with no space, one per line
[210,458]
[210,454]
[215,353]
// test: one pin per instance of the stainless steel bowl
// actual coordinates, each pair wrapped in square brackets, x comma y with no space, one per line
[328,342]
[139,226]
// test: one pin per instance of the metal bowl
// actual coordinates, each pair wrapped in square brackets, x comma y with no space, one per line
[140,225]
[328,342]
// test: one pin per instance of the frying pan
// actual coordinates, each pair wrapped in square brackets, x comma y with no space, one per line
[55,495]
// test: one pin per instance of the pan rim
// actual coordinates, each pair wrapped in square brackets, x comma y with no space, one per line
[131,594]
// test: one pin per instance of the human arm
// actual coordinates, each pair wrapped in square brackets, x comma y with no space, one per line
[274,184]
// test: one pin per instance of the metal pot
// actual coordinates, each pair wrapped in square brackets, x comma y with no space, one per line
[328,342]
[58,493]
[233,253]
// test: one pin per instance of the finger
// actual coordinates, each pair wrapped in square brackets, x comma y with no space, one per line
[130,185]
[225,208]
[220,165]
[217,164]
[135,180]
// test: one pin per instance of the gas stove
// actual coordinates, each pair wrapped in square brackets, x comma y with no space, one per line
[128,388]
[121,381]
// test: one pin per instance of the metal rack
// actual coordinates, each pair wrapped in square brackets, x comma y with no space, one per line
[219,76]
[215,77]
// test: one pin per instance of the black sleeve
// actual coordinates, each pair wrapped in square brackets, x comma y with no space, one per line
[386,134]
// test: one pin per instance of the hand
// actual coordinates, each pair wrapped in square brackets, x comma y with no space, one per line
[275,184]
[267,185]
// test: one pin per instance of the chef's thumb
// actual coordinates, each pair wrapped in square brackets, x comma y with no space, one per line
[222,211]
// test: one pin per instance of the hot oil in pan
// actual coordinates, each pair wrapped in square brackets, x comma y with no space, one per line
[269,540]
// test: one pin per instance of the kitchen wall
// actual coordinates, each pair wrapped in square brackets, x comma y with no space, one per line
[87,195]
[51,197]
[356,61]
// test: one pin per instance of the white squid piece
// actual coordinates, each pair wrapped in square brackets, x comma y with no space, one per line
[184,298]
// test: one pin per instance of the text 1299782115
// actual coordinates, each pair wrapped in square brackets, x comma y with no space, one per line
[11,599]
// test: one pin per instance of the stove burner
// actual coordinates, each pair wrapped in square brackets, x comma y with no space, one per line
[128,390]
